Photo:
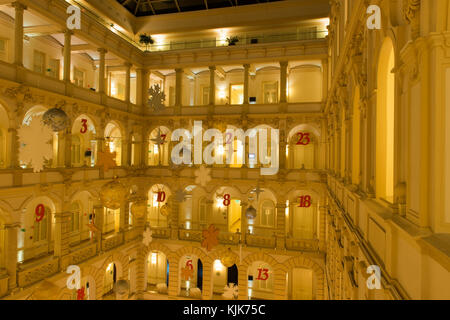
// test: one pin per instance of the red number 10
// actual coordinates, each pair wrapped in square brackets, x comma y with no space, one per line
[161,196]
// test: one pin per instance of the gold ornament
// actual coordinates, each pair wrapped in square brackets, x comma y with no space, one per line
[164,210]
[113,194]
[139,208]
[228,259]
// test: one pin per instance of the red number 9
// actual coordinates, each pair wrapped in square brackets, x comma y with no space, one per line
[40,211]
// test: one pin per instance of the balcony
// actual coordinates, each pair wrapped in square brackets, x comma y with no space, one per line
[302,244]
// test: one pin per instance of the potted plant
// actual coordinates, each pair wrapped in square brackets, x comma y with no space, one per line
[146,40]
[232,40]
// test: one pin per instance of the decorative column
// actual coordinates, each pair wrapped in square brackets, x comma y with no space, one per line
[281,226]
[68,148]
[101,71]
[145,87]
[173,218]
[322,227]
[178,87]
[324,79]
[145,148]
[99,212]
[18,32]
[283,81]
[212,85]
[62,230]
[246,84]
[11,231]
[67,54]
[127,81]
[14,147]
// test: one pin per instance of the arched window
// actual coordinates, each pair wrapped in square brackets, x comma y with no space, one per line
[41,228]
[76,151]
[75,211]
[303,220]
[157,217]
[384,166]
[112,220]
[114,139]
[301,150]
[267,214]
[84,143]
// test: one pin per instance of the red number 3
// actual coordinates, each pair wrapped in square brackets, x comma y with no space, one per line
[301,140]
[226,200]
[83,126]
[40,212]
[265,273]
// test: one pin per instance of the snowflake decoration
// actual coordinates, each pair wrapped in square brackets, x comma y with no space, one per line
[159,140]
[231,291]
[187,273]
[157,98]
[36,145]
[210,239]
[106,159]
[147,236]
[179,195]
[203,175]
[257,191]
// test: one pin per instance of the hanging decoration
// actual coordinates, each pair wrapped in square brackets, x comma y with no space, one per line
[202,176]
[157,98]
[228,258]
[257,191]
[161,196]
[263,274]
[106,159]
[250,213]
[160,139]
[139,208]
[226,200]
[210,237]
[187,273]
[231,291]
[35,144]
[93,229]
[147,237]
[180,195]
[113,194]
[56,119]
[164,210]
[40,212]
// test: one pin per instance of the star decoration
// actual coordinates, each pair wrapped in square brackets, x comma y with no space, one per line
[106,159]
[257,191]
[147,236]
[160,138]
[203,175]
[157,98]
[179,195]
[35,144]
[210,239]
[231,291]
[187,273]
[80,294]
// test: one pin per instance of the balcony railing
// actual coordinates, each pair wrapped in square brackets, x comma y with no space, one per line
[302,244]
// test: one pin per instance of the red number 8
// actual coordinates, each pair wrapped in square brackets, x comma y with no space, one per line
[40,211]
[226,200]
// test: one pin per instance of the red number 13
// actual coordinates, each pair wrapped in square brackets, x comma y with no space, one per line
[265,274]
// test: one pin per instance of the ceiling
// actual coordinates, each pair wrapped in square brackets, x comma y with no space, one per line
[141,8]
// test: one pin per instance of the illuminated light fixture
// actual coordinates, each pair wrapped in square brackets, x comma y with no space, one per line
[154,255]
[251,156]
[222,94]
[218,265]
